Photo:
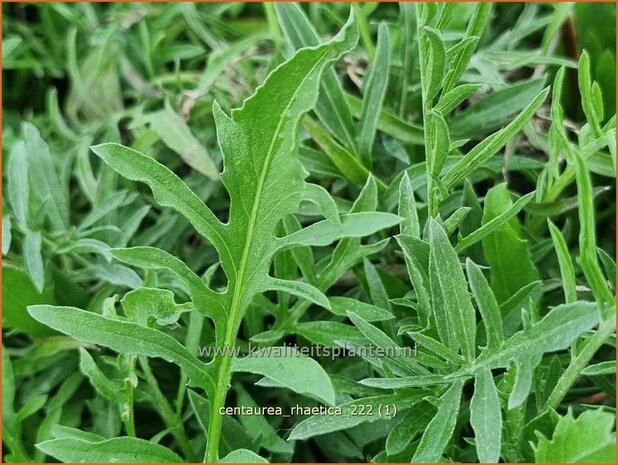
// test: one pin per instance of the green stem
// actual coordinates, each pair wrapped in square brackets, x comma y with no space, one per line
[192,341]
[216,419]
[171,420]
[580,362]
[15,445]
[129,419]
[365,34]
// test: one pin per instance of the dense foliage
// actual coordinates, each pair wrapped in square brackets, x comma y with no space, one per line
[187,187]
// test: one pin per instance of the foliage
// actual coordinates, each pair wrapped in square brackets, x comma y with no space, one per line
[190,187]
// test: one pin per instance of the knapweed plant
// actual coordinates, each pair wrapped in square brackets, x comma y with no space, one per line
[308,233]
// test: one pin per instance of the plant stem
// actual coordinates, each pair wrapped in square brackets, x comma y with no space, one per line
[580,362]
[365,34]
[172,421]
[129,419]
[192,341]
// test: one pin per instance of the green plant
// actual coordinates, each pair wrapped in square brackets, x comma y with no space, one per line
[186,204]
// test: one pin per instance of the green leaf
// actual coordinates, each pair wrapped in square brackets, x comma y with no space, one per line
[341,305]
[390,123]
[33,259]
[115,450]
[168,189]
[322,198]
[18,293]
[326,232]
[329,333]
[413,424]
[587,233]
[206,301]
[407,208]
[6,234]
[600,369]
[433,52]
[288,368]
[374,91]
[323,424]
[259,427]
[175,133]
[486,149]
[487,305]
[468,44]
[45,179]
[416,255]
[106,387]
[512,271]
[485,418]
[345,161]
[589,438]
[490,112]
[8,388]
[330,106]
[585,89]
[242,456]
[564,261]
[18,183]
[122,336]
[440,429]
[449,101]
[297,288]
[555,331]
[453,311]
[495,223]
[143,304]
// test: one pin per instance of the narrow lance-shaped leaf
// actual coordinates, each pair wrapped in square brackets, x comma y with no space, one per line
[485,418]
[289,368]
[331,106]
[33,259]
[555,331]
[176,134]
[565,263]
[440,429]
[487,304]
[45,179]
[453,311]
[115,450]
[121,336]
[6,234]
[585,89]
[374,90]
[587,233]
[495,223]
[486,149]
[18,184]
[407,208]
[433,54]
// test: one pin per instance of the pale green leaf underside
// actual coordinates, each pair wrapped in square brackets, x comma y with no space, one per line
[115,450]
[121,336]
[298,373]
[243,456]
